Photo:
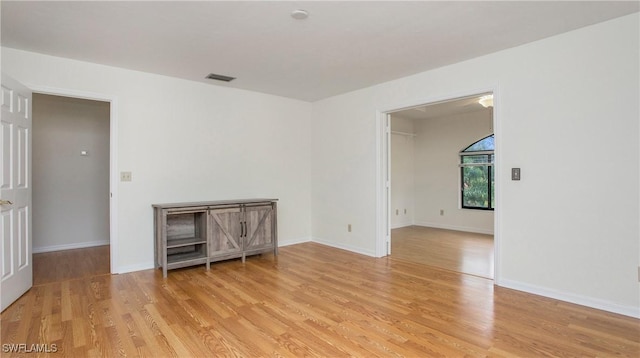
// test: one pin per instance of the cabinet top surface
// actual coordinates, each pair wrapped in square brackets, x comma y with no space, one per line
[212,203]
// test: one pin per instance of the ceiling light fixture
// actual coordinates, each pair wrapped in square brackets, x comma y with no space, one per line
[486,101]
[299,14]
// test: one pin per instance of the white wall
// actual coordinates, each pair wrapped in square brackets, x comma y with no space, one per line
[562,235]
[70,191]
[188,141]
[438,143]
[568,112]
[402,173]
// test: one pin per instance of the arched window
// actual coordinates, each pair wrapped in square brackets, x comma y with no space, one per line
[477,173]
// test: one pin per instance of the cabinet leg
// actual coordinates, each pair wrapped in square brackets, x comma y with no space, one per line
[208,265]
[243,257]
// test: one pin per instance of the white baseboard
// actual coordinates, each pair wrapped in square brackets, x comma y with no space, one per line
[455,227]
[293,241]
[133,268]
[399,225]
[357,250]
[630,311]
[79,245]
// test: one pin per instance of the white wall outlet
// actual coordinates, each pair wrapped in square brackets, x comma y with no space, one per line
[397,211]
[125,176]
[349,228]
[405,211]
[441,212]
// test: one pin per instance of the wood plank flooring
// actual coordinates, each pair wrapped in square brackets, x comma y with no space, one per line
[311,300]
[458,251]
[65,265]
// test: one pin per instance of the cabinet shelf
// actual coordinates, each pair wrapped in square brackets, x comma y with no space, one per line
[189,257]
[187,241]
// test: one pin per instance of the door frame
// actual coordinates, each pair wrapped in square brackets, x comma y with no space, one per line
[383,167]
[113,157]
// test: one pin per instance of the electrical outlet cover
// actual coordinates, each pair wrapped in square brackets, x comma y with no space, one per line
[125,176]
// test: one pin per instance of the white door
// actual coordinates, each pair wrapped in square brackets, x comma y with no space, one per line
[15,192]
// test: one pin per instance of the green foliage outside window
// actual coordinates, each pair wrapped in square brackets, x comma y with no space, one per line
[475,191]
[478,173]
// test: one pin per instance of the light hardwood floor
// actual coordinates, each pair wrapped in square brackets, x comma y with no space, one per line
[458,251]
[311,300]
[65,265]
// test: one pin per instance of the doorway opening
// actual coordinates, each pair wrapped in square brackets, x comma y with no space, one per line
[84,250]
[425,212]
[70,176]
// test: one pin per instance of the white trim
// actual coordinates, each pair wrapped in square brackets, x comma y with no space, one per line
[79,245]
[436,99]
[113,157]
[631,311]
[381,201]
[381,151]
[386,249]
[300,240]
[497,211]
[454,227]
[400,225]
[137,267]
[403,133]
[357,250]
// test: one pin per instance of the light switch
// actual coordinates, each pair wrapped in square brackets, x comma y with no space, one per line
[515,173]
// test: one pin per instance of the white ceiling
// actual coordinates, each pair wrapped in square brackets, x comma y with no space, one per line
[342,46]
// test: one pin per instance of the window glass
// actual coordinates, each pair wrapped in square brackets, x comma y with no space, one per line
[475,186]
[484,144]
[478,173]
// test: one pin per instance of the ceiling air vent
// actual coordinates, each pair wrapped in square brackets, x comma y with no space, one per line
[213,76]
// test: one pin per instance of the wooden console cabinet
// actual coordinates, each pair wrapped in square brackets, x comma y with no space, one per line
[188,234]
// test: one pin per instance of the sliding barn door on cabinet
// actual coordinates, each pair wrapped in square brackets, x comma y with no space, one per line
[226,232]
[259,223]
